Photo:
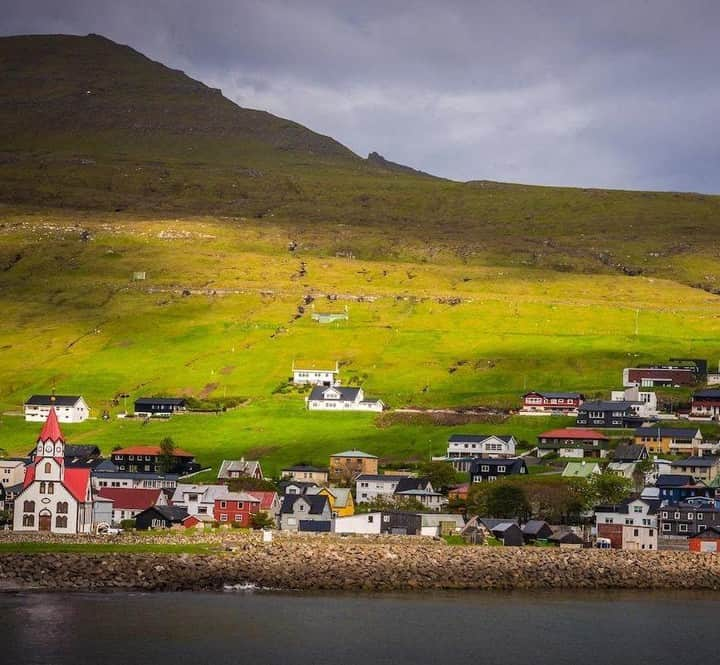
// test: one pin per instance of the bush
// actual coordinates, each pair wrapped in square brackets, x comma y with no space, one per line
[236,525]
[127,525]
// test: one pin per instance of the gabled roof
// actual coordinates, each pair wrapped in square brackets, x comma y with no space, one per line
[247,467]
[706,461]
[51,429]
[552,395]
[675,480]
[581,434]
[409,484]
[171,401]
[341,495]
[317,503]
[53,400]
[75,480]
[607,405]
[478,438]
[677,432]
[580,469]
[533,527]
[245,497]
[491,522]
[622,508]
[346,394]
[707,394]
[267,498]
[512,465]
[128,498]
[173,514]
[306,467]
[208,492]
[355,453]
[150,450]
[628,453]
[503,526]
[369,477]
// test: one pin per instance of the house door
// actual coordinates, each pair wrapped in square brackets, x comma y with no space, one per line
[45,521]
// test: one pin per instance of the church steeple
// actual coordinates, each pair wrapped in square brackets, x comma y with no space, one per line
[51,442]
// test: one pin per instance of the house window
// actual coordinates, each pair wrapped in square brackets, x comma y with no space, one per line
[700,516]
[492,478]
[630,521]
[609,520]
[238,518]
[223,517]
[62,507]
[42,488]
[676,516]
[690,516]
[666,527]
[636,532]
[371,519]
[501,469]
[485,468]
[637,509]
[683,528]
[51,488]
[223,504]
[664,515]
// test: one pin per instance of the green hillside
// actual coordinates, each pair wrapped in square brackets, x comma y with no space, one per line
[458,294]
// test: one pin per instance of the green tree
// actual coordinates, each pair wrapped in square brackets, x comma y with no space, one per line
[441,474]
[642,468]
[166,460]
[262,520]
[245,484]
[609,488]
[507,500]
[5,517]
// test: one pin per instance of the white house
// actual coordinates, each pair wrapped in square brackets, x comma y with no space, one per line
[54,498]
[341,398]
[362,523]
[12,472]
[630,525]
[315,375]
[370,487]
[481,445]
[198,499]
[68,408]
[644,403]
[441,524]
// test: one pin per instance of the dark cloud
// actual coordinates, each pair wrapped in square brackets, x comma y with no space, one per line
[616,94]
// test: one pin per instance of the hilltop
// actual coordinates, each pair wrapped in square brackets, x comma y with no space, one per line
[459,294]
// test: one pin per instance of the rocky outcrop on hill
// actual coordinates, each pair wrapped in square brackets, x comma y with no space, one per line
[380,564]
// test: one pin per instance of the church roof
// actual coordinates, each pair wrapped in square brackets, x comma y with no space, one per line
[75,480]
[51,429]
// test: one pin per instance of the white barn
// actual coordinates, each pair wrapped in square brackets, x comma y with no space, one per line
[341,398]
[362,523]
[68,408]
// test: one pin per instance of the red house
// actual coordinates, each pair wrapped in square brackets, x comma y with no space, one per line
[706,541]
[537,402]
[706,404]
[236,508]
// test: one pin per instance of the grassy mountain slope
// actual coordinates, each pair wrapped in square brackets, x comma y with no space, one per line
[459,294]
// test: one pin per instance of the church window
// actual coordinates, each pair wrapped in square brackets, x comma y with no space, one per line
[61,521]
[48,467]
[62,507]
[42,487]
[28,520]
[51,488]
[29,506]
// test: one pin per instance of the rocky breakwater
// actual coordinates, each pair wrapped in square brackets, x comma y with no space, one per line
[393,565]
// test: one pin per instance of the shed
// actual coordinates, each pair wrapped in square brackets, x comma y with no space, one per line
[706,541]
[566,539]
[160,517]
[509,533]
[536,529]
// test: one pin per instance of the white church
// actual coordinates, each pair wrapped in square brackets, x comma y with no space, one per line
[54,498]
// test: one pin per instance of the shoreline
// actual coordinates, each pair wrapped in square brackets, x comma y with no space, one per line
[396,564]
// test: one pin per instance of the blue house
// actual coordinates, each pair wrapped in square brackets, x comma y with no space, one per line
[678,487]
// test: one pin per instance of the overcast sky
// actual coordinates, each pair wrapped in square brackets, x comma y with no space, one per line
[563,92]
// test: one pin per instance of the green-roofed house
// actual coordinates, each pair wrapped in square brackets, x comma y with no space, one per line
[582,469]
[346,466]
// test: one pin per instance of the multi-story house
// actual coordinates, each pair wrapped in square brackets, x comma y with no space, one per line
[629,525]
[421,490]
[341,398]
[607,414]
[68,408]
[660,375]
[160,406]
[198,499]
[574,443]
[705,468]
[679,487]
[150,459]
[544,403]
[232,469]
[489,470]
[134,480]
[369,487]
[305,473]
[481,445]
[129,502]
[305,513]
[706,404]
[671,440]
[347,465]
[12,471]
[680,520]
[235,508]
[315,375]
[644,403]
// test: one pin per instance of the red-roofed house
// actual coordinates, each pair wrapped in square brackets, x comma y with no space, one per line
[573,443]
[129,501]
[149,459]
[54,498]
[269,502]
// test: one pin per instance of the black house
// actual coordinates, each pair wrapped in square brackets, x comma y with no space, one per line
[608,414]
[401,524]
[160,517]
[159,406]
[488,470]
[536,530]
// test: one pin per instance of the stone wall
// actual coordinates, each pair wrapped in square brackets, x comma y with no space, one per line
[385,564]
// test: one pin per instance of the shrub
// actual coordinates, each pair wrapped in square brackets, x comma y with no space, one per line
[127,525]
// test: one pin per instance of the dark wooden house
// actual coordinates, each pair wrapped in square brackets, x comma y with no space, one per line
[159,406]
[488,470]
[160,517]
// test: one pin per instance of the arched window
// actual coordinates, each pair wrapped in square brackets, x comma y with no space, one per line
[62,507]
[48,467]
[29,507]
[28,520]
[42,487]
[61,521]
[51,488]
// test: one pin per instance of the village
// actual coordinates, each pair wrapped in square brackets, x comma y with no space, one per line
[656,487]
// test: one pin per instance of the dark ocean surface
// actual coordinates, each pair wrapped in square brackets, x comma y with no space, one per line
[353,629]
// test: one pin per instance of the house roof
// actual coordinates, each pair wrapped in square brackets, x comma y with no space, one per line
[579,469]
[267,498]
[302,484]
[379,477]
[675,480]
[711,533]
[503,526]
[238,496]
[51,429]
[150,450]
[478,438]
[173,514]
[573,434]
[171,401]
[137,475]
[567,537]
[306,467]
[342,495]
[248,467]
[355,453]
[534,527]
[706,461]
[622,508]
[491,522]
[707,394]
[346,394]
[511,465]
[314,366]
[607,405]
[317,503]
[628,453]
[208,492]
[47,400]
[129,498]
[408,484]
[553,395]
[677,432]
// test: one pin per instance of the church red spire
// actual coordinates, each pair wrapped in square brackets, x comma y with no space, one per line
[51,429]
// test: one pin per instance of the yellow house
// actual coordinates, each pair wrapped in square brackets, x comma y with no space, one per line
[340,498]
